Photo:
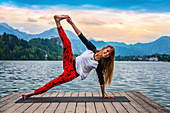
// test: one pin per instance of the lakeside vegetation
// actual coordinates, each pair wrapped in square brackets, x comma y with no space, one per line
[12,48]
[154,57]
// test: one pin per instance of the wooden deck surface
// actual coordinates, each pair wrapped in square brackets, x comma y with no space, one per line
[139,103]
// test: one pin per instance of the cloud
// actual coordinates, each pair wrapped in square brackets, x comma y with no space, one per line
[135,5]
[2,18]
[51,23]
[91,21]
[31,20]
[101,24]
[44,17]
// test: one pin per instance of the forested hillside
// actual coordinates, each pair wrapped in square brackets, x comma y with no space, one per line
[12,48]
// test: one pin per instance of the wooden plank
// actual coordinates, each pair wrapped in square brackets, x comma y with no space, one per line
[34,106]
[7,99]
[15,107]
[11,103]
[90,107]
[142,103]
[154,104]
[62,106]
[43,106]
[51,108]
[99,105]
[26,105]
[71,107]
[117,105]
[137,106]
[109,106]
[127,105]
[81,105]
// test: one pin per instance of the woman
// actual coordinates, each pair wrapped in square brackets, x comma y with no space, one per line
[102,60]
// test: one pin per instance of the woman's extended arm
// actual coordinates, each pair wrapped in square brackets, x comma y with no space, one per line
[88,44]
[78,32]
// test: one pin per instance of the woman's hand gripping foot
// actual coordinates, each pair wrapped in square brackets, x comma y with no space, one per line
[60,17]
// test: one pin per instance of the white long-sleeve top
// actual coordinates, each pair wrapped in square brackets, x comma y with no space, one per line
[85,63]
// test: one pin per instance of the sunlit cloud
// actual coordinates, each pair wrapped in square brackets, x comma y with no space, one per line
[51,22]
[91,21]
[31,20]
[100,24]
[44,18]
[2,18]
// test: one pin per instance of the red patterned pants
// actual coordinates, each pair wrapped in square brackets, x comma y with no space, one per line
[69,71]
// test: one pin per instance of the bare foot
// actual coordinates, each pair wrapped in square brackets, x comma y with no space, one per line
[60,17]
[24,96]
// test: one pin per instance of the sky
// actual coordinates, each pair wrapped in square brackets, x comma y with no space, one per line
[128,21]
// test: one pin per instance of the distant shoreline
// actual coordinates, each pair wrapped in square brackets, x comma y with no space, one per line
[62,60]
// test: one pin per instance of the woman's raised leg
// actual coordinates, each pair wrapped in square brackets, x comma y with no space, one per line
[67,49]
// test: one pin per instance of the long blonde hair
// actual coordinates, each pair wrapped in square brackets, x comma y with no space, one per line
[108,65]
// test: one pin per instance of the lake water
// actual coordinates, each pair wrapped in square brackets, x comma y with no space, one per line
[150,78]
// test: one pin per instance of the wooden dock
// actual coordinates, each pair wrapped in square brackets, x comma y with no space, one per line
[139,103]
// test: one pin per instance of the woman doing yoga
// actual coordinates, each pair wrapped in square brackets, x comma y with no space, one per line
[101,60]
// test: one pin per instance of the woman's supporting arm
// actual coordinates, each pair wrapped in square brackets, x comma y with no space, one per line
[102,89]
[103,92]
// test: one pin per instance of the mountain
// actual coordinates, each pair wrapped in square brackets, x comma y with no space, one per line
[4,27]
[54,32]
[161,45]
